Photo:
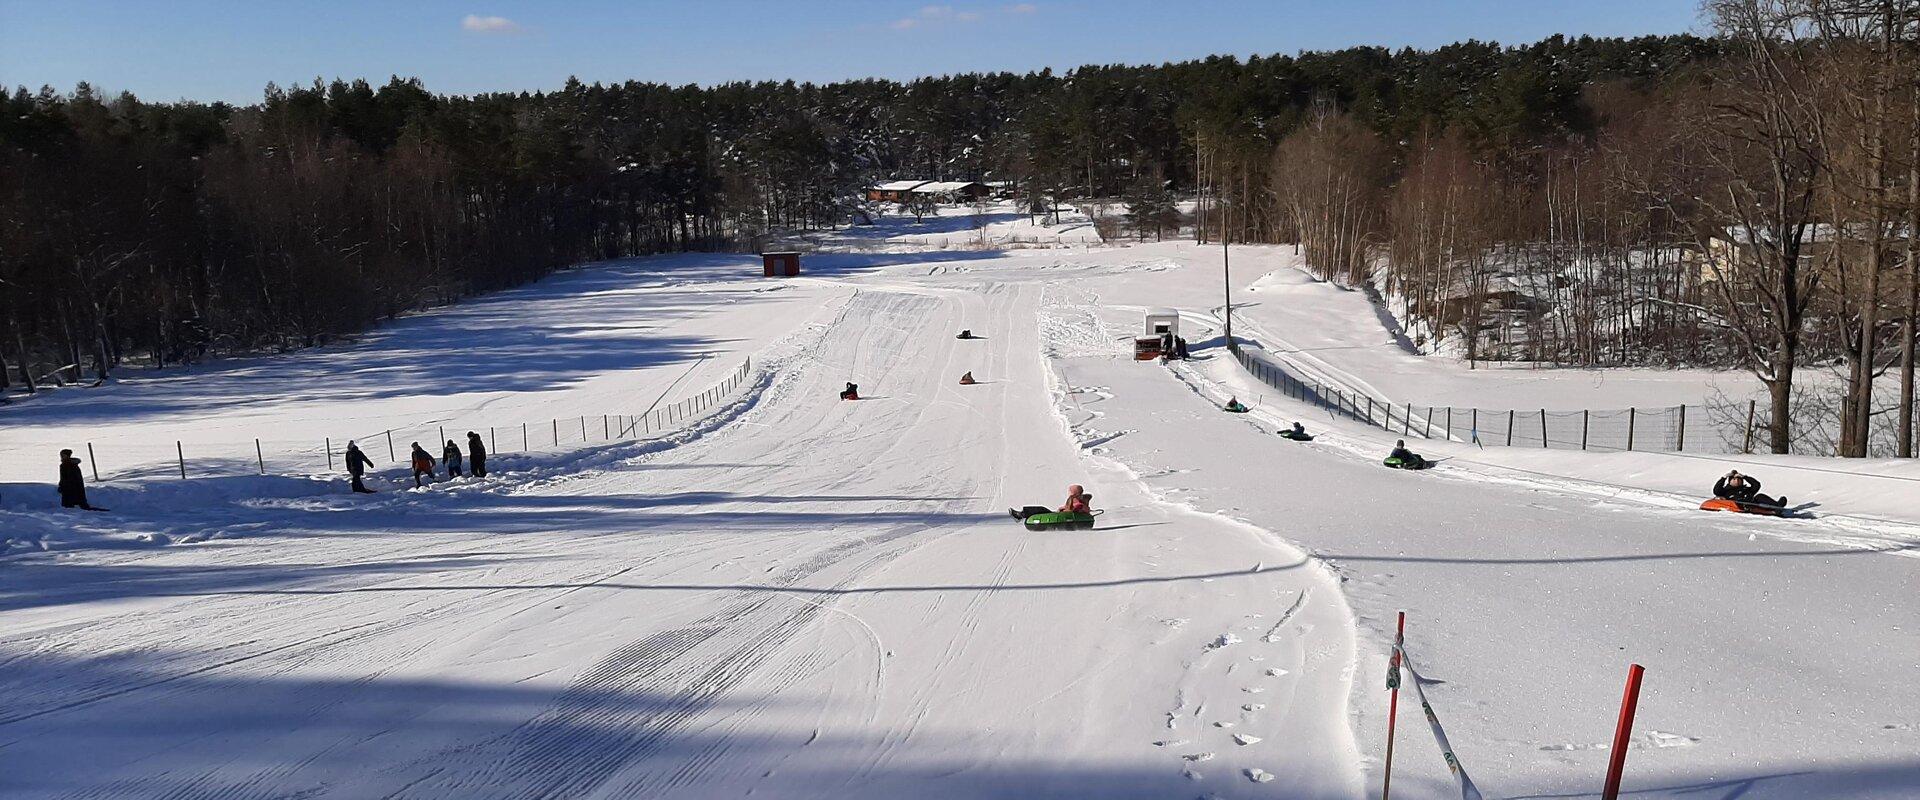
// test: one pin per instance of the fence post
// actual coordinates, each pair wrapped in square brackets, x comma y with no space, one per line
[556,432]
[1543,428]
[1370,410]
[1585,418]
[1426,431]
[259,455]
[1631,413]
[606,427]
[182,453]
[443,436]
[93,463]
[1680,445]
[492,441]
[390,456]
[1406,422]
[1449,423]
[523,437]
[1623,733]
[1476,427]
[583,429]
[1748,446]
[1509,427]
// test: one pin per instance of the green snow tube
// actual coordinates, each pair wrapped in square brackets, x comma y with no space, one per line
[1055,520]
[1415,463]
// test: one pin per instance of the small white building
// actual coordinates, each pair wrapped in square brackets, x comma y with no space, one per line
[1162,321]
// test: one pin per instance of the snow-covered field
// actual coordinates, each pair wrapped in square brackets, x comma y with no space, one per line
[794,596]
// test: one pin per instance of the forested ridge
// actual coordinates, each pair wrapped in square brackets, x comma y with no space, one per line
[1586,176]
[135,229]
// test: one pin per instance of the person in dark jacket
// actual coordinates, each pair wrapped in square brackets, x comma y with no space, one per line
[357,464]
[451,455]
[422,465]
[1744,489]
[1406,457]
[476,456]
[73,487]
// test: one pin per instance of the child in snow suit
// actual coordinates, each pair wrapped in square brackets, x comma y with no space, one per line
[476,456]
[1078,501]
[852,392]
[1743,488]
[422,465]
[1407,457]
[967,379]
[451,455]
[357,464]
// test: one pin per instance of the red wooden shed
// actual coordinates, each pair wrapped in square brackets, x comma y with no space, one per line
[780,264]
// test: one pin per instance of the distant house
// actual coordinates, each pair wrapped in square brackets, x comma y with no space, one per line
[1501,297]
[1730,252]
[943,191]
[892,191]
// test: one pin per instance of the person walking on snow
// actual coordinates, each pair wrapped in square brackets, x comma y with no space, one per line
[73,486]
[357,464]
[451,455]
[422,465]
[1744,489]
[476,456]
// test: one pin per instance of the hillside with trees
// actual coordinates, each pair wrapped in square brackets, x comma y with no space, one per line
[1739,200]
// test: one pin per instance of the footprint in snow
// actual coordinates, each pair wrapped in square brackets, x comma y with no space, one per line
[1275,672]
[1169,743]
[1224,724]
[1258,775]
[1198,757]
[1253,690]
[1252,707]
[1224,640]
[1243,740]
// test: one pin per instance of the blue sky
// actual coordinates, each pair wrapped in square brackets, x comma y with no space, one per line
[208,50]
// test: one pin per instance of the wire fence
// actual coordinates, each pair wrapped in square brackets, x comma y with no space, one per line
[1652,429]
[122,460]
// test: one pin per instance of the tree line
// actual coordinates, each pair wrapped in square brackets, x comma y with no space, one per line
[1574,200]
[162,232]
[1753,207]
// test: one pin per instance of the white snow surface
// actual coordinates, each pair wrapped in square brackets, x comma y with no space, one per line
[795,596]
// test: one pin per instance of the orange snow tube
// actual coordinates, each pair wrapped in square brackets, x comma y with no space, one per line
[967,380]
[1737,507]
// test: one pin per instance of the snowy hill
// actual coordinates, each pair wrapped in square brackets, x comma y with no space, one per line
[789,595]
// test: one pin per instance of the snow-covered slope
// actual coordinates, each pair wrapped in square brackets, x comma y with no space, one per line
[797,596]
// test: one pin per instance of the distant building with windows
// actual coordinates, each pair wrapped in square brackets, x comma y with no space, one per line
[943,191]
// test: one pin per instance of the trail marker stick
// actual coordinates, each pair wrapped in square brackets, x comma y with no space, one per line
[1393,705]
[1622,733]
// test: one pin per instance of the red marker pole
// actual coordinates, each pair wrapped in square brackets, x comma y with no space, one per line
[1623,732]
[1393,705]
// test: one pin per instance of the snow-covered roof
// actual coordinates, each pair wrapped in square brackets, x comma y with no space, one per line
[938,187]
[897,186]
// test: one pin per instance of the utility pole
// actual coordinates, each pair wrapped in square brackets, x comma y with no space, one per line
[1226,279]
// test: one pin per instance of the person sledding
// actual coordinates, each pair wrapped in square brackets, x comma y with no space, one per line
[1234,406]
[1297,433]
[967,379]
[1402,458]
[965,334]
[1075,514]
[852,392]
[1744,490]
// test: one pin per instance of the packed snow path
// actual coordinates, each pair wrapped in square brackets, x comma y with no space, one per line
[812,598]
[822,599]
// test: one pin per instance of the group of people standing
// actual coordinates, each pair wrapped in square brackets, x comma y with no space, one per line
[423,463]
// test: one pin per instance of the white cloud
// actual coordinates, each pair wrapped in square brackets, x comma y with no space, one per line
[474,23]
[940,14]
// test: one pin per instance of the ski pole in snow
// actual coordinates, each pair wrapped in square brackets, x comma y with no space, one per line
[1393,705]
[1617,760]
